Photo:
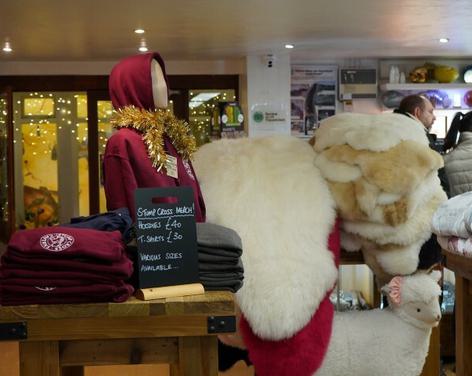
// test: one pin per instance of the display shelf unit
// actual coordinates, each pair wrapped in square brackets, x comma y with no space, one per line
[461,265]
[426,86]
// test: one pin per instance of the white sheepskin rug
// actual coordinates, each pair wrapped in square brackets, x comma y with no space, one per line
[268,190]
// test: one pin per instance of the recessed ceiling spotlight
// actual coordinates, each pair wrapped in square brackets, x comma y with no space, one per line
[443,40]
[289,46]
[7,47]
[143,45]
[139,31]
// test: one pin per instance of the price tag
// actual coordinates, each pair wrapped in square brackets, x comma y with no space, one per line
[171,167]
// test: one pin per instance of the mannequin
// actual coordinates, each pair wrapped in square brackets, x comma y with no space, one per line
[151,148]
[159,86]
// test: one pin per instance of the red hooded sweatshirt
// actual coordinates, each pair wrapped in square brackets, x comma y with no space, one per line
[126,164]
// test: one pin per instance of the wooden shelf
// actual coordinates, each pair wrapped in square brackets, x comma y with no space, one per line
[426,86]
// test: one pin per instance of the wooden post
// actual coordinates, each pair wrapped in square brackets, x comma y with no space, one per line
[197,357]
[40,358]
[463,326]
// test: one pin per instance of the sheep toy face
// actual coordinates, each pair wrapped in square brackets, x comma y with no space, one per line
[428,313]
[415,298]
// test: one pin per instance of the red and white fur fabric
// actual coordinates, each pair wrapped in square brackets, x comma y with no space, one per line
[269,191]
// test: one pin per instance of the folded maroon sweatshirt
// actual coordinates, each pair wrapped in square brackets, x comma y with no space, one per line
[52,282]
[119,269]
[36,277]
[12,294]
[67,242]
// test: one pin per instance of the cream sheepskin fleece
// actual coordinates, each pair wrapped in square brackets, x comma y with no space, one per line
[397,170]
[391,261]
[382,175]
[386,179]
[268,191]
[368,132]
[392,250]
[414,229]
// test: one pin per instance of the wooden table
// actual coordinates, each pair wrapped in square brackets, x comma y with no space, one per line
[61,339]
[462,268]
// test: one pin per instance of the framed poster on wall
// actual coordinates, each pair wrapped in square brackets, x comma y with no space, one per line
[312,96]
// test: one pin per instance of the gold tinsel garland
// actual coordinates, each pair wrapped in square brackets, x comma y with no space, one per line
[153,125]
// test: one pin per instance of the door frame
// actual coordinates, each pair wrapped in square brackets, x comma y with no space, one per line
[8,230]
[93,96]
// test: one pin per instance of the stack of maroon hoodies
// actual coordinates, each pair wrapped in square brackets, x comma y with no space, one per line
[55,265]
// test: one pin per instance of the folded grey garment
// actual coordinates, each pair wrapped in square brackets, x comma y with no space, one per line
[221,252]
[210,235]
[233,285]
[215,276]
[217,259]
[220,267]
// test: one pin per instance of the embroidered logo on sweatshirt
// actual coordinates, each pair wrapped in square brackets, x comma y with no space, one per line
[56,241]
[45,288]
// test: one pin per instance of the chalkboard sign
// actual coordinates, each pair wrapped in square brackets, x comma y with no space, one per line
[166,236]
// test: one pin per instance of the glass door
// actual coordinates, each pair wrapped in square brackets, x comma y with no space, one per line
[7,213]
[59,141]
[48,157]
[203,108]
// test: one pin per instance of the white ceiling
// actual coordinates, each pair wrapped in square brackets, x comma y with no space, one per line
[68,30]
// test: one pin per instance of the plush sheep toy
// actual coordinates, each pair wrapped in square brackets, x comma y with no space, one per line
[389,342]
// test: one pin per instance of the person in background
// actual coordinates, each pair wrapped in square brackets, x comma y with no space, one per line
[458,162]
[420,108]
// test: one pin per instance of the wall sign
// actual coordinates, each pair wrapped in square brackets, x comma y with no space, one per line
[312,96]
[269,118]
[166,236]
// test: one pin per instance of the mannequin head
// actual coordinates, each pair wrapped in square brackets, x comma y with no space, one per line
[159,85]
[139,81]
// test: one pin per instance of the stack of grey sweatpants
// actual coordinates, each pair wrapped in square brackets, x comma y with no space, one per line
[219,257]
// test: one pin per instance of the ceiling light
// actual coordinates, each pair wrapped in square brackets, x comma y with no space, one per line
[7,47]
[289,46]
[443,40]
[139,31]
[143,45]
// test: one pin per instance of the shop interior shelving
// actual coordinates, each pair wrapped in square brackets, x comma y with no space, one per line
[424,86]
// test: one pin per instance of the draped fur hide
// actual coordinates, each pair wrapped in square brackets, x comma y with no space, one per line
[268,190]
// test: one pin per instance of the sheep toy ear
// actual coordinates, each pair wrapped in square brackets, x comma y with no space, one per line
[393,289]
[436,275]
